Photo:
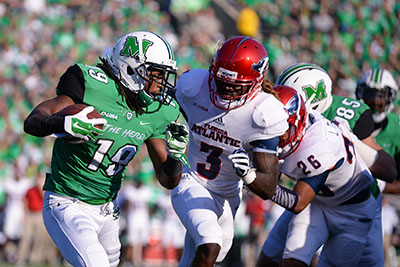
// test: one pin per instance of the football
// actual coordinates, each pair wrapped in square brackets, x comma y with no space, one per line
[74,109]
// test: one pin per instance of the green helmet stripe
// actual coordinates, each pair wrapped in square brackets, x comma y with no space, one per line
[377,75]
[298,67]
[170,52]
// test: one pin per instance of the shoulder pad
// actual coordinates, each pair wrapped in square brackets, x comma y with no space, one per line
[271,115]
[314,116]
[190,82]
[324,141]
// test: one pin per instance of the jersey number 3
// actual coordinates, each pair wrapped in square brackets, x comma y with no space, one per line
[214,162]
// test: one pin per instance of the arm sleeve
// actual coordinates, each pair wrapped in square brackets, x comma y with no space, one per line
[364,126]
[316,182]
[72,84]
[285,197]
[270,116]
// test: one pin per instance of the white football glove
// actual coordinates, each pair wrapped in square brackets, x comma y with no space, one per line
[176,139]
[241,164]
[80,126]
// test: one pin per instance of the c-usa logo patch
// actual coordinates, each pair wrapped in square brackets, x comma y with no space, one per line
[129,115]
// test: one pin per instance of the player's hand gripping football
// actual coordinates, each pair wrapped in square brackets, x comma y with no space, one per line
[80,126]
[176,139]
[241,164]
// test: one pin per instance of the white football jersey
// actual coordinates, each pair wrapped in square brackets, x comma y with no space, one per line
[323,146]
[216,133]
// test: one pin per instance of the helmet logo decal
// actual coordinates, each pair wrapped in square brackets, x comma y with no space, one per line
[292,106]
[131,47]
[227,74]
[261,65]
[319,92]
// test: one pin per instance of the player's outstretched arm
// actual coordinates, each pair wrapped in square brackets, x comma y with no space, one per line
[263,178]
[393,188]
[41,122]
[384,167]
[267,172]
[294,200]
[168,155]
[380,163]
[73,121]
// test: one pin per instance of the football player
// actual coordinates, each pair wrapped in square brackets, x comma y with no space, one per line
[378,89]
[129,88]
[315,85]
[228,116]
[330,204]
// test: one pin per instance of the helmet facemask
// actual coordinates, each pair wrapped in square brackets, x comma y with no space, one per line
[228,95]
[379,101]
[164,77]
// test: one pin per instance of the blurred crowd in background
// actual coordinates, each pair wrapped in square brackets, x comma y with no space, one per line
[39,39]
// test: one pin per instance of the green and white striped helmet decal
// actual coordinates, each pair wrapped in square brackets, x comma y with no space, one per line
[378,78]
[376,75]
[170,51]
[374,78]
[311,81]
[293,69]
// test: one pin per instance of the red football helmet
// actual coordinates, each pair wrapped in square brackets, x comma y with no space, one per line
[236,72]
[296,109]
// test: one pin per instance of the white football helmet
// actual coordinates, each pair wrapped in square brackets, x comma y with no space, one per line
[311,81]
[135,55]
[378,89]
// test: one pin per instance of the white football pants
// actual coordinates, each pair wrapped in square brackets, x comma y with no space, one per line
[86,235]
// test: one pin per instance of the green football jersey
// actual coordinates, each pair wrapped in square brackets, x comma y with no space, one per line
[389,137]
[356,113]
[93,171]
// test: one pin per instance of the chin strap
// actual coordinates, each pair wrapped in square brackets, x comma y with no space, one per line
[145,98]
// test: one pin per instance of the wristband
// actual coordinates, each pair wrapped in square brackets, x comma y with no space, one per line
[172,167]
[250,176]
[50,124]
